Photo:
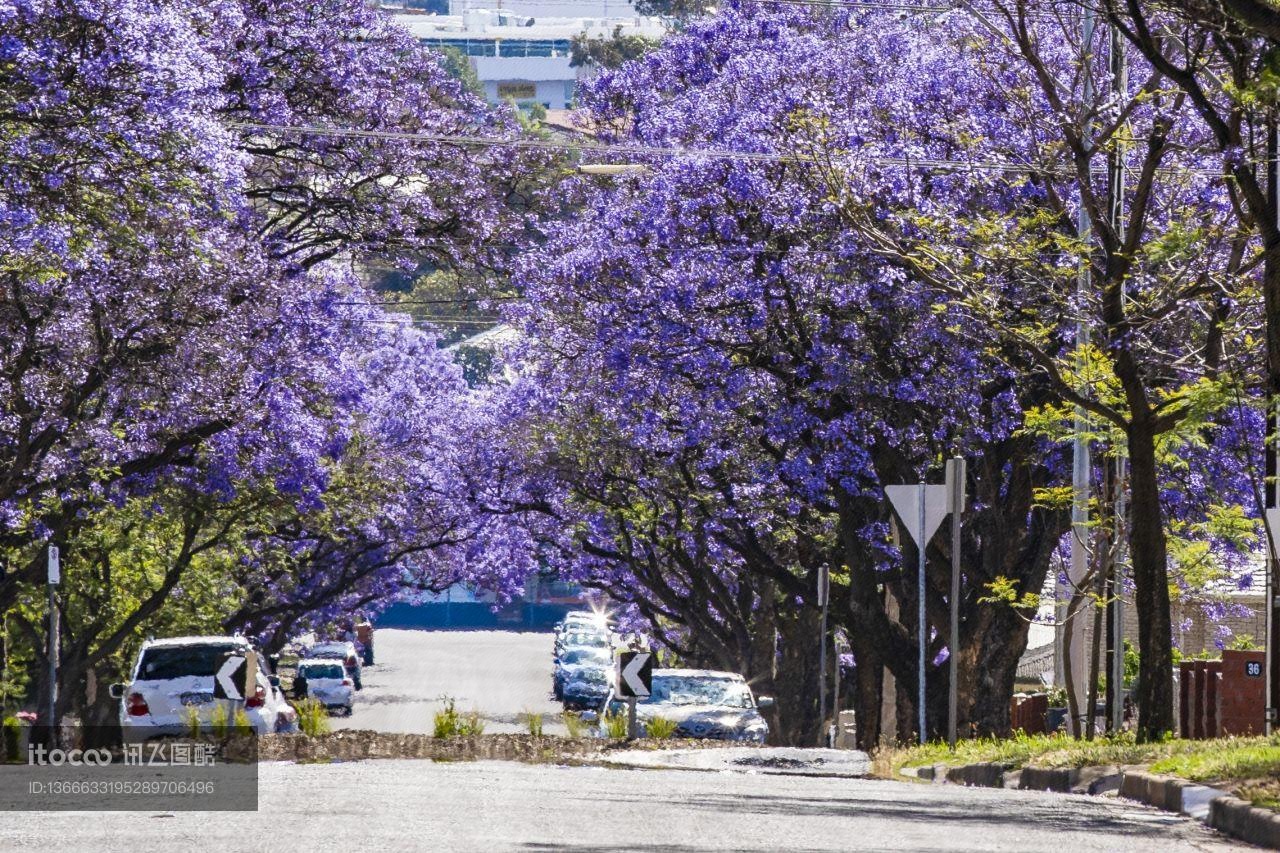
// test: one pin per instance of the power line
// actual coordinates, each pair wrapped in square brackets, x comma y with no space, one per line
[655,151]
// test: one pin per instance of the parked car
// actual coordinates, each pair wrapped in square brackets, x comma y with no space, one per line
[586,688]
[574,660]
[582,620]
[702,703]
[598,639]
[344,651]
[173,677]
[328,683]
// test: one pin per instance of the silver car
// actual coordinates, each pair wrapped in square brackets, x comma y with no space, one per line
[703,703]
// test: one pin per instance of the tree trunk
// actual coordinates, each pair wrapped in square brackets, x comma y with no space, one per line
[1147,546]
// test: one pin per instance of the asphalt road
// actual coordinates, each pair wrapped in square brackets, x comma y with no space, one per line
[491,806]
[501,674]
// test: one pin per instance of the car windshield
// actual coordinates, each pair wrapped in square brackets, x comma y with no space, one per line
[163,662]
[699,690]
[321,670]
[579,638]
[588,655]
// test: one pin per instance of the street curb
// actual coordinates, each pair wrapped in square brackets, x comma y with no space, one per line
[1212,806]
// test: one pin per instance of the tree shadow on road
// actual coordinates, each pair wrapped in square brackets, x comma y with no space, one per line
[1047,815]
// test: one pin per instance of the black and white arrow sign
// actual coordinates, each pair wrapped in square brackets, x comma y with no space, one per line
[635,674]
[231,681]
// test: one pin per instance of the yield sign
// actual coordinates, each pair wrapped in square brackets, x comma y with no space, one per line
[1273,527]
[906,500]
[233,677]
[635,674]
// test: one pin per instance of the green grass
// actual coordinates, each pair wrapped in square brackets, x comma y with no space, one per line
[615,725]
[660,728]
[533,722]
[574,724]
[1227,759]
[1248,765]
[191,719]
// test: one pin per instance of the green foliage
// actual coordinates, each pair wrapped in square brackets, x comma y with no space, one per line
[191,721]
[610,52]
[313,717]
[615,725]
[573,723]
[455,62]
[660,728]
[533,722]
[471,725]
[448,722]
[10,736]
[220,720]
[1004,590]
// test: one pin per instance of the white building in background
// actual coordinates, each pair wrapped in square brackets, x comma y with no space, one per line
[522,57]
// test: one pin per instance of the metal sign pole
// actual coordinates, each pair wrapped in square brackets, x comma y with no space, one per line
[633,729]
[54,577]
[823,589]
[956,477]
[922,627]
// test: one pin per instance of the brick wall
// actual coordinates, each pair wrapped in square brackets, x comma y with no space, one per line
[1221,697]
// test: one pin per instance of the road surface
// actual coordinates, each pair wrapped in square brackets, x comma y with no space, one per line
[501,674]
[492,806]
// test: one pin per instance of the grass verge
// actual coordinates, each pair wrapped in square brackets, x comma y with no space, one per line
[1249,766]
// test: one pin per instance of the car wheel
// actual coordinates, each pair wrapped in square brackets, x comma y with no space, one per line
[347,712]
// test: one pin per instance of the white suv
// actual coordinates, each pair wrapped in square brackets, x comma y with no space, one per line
[173,678]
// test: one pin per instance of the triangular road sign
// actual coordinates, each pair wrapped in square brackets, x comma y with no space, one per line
[906,500]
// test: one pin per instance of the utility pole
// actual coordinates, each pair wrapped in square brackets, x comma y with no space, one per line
[1080,446]
[1271,448]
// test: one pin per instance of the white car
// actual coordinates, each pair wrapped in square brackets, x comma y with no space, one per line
[173,678]
[327,682]
[343,650]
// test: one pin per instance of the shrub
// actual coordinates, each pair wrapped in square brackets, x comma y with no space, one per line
[191,720]
[12,736]
[220,720]
[574,724]
[615,725]
[533,722]
[313,717]
[660,728]
[446,721]
[472,725]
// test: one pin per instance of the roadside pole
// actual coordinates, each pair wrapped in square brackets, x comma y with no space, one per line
[824,589]
[955,505]
[1271,456]
[633,730]
[922,626]
[55,577]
